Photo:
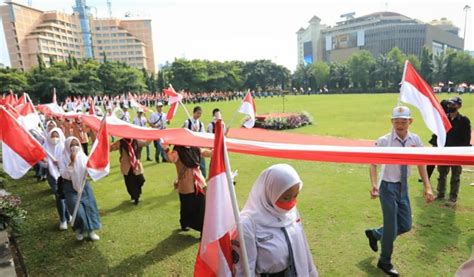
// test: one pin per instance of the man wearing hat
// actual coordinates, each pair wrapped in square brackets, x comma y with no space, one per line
[158,121]
[140,120]
[393,191]
[458,135]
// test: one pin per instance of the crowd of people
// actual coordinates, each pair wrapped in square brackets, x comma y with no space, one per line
[275,240]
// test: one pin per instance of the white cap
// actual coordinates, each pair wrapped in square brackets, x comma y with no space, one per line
[159,103]
[401,112]
[140,110]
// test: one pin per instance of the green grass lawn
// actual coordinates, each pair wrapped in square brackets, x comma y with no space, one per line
[334,204]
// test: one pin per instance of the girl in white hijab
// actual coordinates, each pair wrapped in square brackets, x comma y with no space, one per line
[73,169]
[54,145]
[274,237]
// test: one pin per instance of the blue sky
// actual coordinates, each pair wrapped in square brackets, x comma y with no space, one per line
[248,29]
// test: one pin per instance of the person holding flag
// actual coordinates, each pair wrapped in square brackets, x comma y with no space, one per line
[72,167]
[54,144]
[393,191]
[274,237]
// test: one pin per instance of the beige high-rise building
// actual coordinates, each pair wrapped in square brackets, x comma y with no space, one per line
[30,33]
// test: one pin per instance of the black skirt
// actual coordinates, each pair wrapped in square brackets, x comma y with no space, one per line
[192,210]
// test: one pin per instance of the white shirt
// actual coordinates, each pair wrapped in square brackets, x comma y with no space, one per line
[125,116]
[158,119]
[211,126]
[196,125]
[267,249]
[392,172]
[140,121]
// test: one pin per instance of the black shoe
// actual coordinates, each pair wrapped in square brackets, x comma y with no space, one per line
[184,229]
[372,240]
[439,197]
[136,201]
[148,159]
[388,269]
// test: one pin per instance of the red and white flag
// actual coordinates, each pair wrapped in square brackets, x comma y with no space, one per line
[248,107]
[20,151]
[92,108]
[28,117]
[98,164]
[215,250]
[172,111]
[417,92]
[174,97]
[135,104]
[10,99]
[22,100]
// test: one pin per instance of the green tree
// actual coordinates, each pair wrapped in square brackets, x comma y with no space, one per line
[319,74]
[426,65]
[360,68]
[339,75]
[13,79]
[440,63]
[386,69]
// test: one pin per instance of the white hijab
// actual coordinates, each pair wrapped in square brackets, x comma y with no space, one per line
[266,190]
[54,150]
[268,187]
[78,171]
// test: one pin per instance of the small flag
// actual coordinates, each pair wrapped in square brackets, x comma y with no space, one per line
[248,107]
[98,164]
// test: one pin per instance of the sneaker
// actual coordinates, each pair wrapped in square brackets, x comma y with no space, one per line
[388,269]
[451,203]
[63,225]
[439,198]
[79,235]
[93,236]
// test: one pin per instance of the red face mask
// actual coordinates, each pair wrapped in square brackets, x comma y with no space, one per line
[286,205]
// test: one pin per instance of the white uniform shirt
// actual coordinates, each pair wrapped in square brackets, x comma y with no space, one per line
[392,172]
[140,121]
[158,119]
[125,116]
[196,125]
[267,249]
[211,126]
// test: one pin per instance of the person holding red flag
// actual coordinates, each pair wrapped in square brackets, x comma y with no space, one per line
[274,236]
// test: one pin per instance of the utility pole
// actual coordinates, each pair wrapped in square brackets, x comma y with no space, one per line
[466,9]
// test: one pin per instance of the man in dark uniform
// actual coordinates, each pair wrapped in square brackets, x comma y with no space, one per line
[459,135]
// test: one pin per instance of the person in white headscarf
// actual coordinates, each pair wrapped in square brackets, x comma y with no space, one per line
[73,170]
[54,145]
[274,238]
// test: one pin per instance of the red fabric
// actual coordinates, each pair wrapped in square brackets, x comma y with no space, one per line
[131,154]
[10,99]
[91,108]
[170,92]
[218,163]
[25,109]
[100,154]
[248,98]
[172,111]
[424,88]
[19,140]
[22,100]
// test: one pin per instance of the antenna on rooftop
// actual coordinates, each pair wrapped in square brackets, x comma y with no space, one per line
[109,7]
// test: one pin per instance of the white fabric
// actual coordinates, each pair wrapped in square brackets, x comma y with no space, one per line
[409,94]
[196,125]
[54,150]
[13,164]
[247,108]
[259,210]
[392,172]
[77,171]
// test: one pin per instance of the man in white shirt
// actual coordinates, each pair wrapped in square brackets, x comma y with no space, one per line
[393,189]
[158,121]
[195,125]
[140,120]
[124,114]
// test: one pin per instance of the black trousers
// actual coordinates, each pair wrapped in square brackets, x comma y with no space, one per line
[134,184]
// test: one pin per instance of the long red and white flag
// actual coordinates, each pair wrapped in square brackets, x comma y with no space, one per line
[20,151]
[248,107]
[418,92]
[172,111]
[134,103]
[215,251]
[98,164]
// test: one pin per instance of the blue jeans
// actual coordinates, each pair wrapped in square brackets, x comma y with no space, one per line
[396,217]
[159,150]
[60,203]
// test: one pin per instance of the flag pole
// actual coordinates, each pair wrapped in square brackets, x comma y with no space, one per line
[235,113]
[79,196]
[184,107]
[235,208]
[402,82]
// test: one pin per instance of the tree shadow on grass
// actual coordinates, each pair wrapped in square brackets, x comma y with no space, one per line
[435,229]
[136,264]
[368,265]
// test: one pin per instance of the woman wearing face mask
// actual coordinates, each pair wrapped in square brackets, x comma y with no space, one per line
[54,145]
[274,237]
[72,169]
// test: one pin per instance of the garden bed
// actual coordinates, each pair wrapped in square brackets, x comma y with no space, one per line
[282,121]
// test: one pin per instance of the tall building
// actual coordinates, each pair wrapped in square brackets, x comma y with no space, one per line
[378,33]
[30,33]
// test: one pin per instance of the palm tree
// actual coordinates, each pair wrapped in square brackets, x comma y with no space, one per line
[440,65]
[385,68]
